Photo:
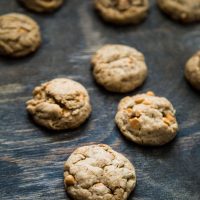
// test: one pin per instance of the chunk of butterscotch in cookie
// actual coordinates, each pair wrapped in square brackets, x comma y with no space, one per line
[19,35]
[59,104]
[147,119]
[182,10]
[42,5]
[122,11]
[119,68]
[192,70]
[98,172]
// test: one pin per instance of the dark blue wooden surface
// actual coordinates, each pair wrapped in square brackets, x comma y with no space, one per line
[31,159]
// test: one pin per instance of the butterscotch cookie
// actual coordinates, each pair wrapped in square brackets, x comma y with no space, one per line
[19,35]
[182,10]
[42,5]
[192,70]
[122,11]
[59,104]
[97,172]
[119,68]
[147,119]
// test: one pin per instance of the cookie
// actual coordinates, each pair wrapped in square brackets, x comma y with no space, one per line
[147,119]
[97,172]
[59,104]
[19,35]
[42,5]
[119,68]
[122,11]
[192,70]
[183,10]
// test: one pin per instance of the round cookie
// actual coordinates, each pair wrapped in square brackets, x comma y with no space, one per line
[59,104]
[183,10]
[42,5]
[19,35]
[122,11]
[97,172]
[192,70]
[119,68]
[147,119]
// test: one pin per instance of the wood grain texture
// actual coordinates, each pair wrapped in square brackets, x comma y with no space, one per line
[31,158]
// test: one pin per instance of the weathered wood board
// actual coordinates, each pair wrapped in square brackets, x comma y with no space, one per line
[31,158]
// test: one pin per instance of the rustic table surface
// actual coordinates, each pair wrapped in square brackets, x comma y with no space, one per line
[31,158]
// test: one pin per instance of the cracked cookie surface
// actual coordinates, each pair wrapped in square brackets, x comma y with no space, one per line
[192,70]
[119,68]
[59,104]
[97,172]
[42,5]
[19,35]
[122,11]
[147,119]
[182,10]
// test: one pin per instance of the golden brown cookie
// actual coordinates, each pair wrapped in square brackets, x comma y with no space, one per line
[97,172]
[59,104]
[123,11]
[147,119]
[42,5]
[119,68]
[19,35]
[192,70]
[183,10]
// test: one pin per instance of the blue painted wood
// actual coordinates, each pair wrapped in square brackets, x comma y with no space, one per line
[31,158]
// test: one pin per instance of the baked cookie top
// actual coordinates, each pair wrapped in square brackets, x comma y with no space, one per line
[19,35]
[42,5]
[119,68]
[122,11]
[183,10]
[97,172]
[59,104]
[192,70]
[147,119]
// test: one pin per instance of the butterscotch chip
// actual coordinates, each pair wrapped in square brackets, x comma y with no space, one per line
[129,110]
[19,35]
[170,117]
[149,124]
[69,180]
[101,173]
[192,70]
[122,11]
[59,104]
[139,100]
[166,120]
[146,102]
[42,5]
[150,93]
[182,10]
[135,123]
[119,68]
